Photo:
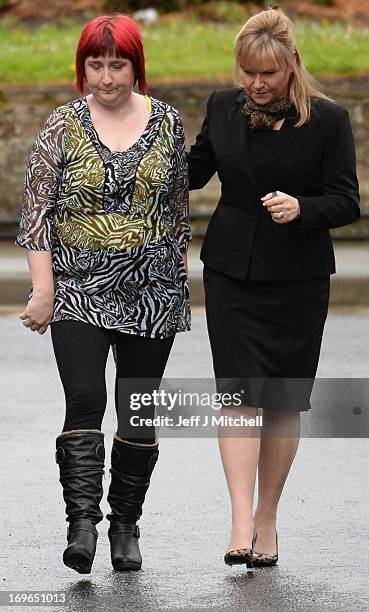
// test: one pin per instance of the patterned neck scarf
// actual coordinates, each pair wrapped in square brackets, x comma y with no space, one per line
[264,117]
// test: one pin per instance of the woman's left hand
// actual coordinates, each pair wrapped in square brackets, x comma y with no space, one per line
[282,207]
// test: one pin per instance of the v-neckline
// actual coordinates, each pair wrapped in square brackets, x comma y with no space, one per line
[102,144]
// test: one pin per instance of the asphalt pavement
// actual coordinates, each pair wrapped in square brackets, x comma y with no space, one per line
[323,517]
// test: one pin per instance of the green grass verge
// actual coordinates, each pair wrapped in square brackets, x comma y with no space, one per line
[178,51]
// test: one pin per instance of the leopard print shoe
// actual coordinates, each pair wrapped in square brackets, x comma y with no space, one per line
[241,556]
[265,559]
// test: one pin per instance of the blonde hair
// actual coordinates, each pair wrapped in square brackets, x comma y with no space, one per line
[269,34]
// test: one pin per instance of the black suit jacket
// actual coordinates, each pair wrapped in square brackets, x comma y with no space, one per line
[314,163]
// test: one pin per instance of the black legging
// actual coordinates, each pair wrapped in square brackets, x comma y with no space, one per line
[81,351]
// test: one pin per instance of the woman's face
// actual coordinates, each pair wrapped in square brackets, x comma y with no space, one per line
[109,78]
[265,81]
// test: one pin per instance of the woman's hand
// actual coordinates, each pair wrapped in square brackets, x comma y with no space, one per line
[38,312]
[282,207]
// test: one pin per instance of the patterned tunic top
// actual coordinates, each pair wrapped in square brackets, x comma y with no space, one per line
[116,223]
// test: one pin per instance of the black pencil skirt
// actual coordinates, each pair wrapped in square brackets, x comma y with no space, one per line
[266,336]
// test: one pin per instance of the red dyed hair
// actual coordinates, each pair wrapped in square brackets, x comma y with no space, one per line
[111,35]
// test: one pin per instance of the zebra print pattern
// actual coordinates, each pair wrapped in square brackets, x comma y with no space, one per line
[115,222]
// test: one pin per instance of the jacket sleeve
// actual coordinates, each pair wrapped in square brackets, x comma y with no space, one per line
[338,203]
[201,161]
[43,175]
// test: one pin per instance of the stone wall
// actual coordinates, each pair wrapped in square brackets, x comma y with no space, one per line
[23,110]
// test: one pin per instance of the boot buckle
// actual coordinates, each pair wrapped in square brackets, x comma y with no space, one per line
[59,455]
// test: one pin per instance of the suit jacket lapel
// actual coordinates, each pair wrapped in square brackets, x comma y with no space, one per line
[287,134]
[238,131]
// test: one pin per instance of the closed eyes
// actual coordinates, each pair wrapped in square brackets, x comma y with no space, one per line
[249,72]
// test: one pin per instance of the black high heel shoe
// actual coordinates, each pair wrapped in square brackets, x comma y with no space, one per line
[266,559]
[241,556]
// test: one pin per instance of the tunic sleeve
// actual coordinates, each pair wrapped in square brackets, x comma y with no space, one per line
[179,194]
[43,175]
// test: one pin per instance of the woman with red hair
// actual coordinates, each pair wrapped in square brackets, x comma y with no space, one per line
[105,222]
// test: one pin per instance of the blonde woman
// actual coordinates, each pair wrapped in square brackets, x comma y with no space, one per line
[285,156]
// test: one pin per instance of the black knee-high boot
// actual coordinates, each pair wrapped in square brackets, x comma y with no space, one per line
[131,468]
[80,454]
